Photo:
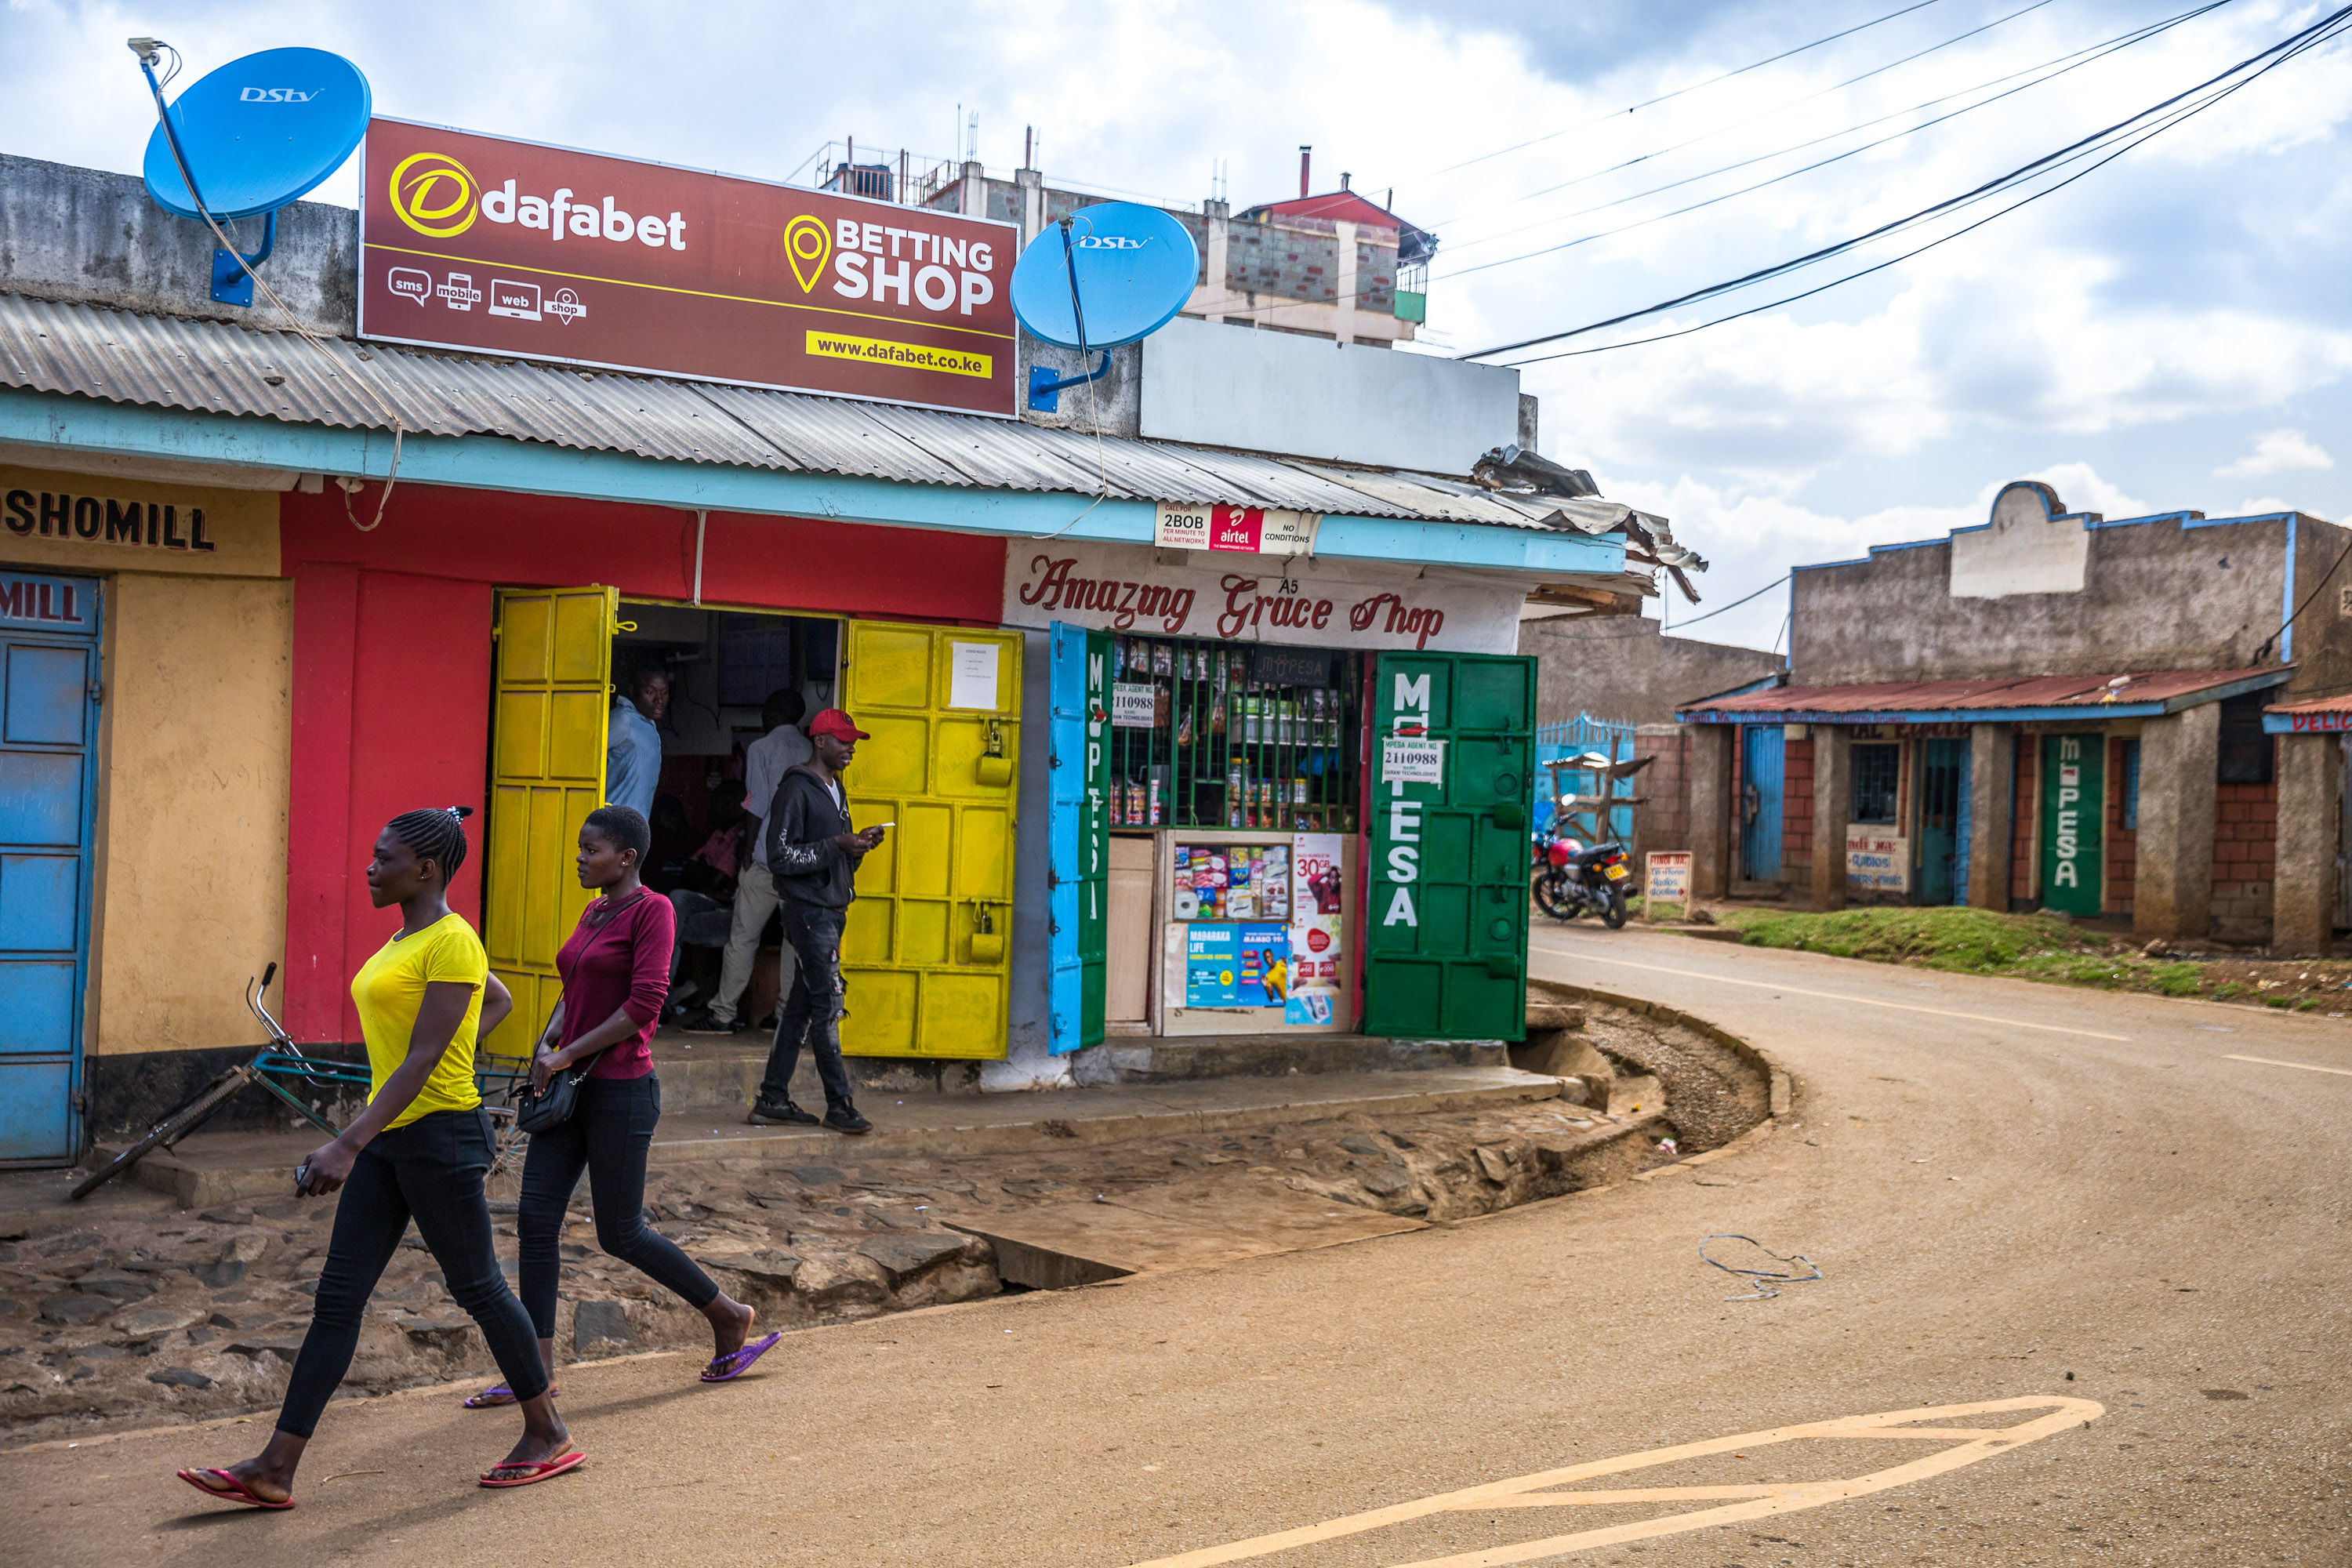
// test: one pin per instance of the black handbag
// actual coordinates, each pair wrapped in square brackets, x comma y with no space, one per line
[537,1111]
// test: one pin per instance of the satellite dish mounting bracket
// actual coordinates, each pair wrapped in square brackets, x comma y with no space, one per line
[1045,390]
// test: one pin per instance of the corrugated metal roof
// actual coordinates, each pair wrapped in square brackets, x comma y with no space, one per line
[1864,703]
[221,368]
[2341,703]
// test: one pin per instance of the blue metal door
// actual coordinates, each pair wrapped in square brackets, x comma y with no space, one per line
[1078,842]
[49,731]
[1762,750]
[1943,796]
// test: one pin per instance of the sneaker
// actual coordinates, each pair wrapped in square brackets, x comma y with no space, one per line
[843,1118]
[786,1115]
[702,1021]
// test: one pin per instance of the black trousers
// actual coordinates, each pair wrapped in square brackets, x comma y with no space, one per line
[812,1011]
[607,1136]
[430,1171]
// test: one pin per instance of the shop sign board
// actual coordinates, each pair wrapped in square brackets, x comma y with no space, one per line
[1251,530]
[1877,859]
[1311,602]
[505,247]
[80,521]
[2326,722]
[1665,880]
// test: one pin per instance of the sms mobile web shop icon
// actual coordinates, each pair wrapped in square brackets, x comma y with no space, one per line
[519,300]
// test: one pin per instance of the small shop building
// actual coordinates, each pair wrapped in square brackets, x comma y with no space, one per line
[2049,710]
[1141,783]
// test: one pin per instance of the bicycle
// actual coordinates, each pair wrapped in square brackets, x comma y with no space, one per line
[282,1059]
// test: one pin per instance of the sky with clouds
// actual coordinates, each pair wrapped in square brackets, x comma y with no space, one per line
[2169,332]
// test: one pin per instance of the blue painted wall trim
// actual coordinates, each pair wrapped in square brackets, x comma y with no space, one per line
[495,462]
[1067,735]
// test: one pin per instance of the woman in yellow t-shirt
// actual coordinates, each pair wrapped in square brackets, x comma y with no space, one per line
[420,1150]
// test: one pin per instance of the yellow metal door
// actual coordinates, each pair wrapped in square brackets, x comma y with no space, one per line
[927,950]
[554,702]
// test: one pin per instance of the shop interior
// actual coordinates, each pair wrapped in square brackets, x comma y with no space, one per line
[722,666]
[1233,776]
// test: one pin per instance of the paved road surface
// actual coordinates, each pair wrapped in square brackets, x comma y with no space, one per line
[2005,1184]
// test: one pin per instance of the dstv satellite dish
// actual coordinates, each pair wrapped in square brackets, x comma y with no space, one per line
[1106,275]
[254,136]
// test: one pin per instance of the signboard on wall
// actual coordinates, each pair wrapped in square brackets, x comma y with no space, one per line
[83,522]
[1877,859]
[1251,530]
[491,244]
[1314,603]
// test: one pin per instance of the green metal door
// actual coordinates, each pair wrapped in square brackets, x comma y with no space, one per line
[1445,915]
[2073,809]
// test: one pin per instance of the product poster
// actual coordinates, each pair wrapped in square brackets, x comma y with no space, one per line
[1237,965]
[1315,929]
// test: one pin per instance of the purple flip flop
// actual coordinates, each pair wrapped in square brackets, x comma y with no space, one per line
[735,1364]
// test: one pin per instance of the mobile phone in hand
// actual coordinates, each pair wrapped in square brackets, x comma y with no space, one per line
[302,1175]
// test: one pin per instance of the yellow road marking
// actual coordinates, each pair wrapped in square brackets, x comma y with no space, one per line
[1828,995]
[2275,1062]
[1970,1445]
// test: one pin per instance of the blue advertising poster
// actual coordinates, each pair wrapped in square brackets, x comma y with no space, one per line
[1234,965]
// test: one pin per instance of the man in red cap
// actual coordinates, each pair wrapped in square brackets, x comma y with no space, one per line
[813,856]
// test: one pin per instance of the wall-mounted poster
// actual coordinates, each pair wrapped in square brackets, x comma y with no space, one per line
[1316,948]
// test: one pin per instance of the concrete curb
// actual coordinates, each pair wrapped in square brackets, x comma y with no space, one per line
[1780,1091]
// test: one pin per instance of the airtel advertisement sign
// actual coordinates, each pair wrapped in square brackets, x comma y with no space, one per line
[511,247]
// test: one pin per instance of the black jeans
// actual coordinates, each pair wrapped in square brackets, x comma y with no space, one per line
[813,1010]
[430,1171]
[608,1135]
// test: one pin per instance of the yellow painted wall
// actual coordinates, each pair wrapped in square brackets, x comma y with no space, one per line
[194,776]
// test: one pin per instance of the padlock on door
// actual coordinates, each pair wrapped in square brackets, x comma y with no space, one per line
[987,942]
[996,769]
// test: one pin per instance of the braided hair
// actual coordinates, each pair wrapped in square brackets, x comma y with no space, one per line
[439,836]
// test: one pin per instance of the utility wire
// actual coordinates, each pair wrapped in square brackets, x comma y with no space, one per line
[1754,119]
[1662,97]
[1733,605]
[2270,641]
[2088,54]
[2131,128]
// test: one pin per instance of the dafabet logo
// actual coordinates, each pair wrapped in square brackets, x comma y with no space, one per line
[434,195]
[438,197]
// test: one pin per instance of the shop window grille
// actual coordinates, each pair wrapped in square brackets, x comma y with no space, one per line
[2246,751]
[1263,738]
[1876,770]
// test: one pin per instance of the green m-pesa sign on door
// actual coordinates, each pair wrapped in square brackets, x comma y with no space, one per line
[1446,910]
[2074,810]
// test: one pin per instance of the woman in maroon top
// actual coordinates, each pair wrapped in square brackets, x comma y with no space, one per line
[615,972]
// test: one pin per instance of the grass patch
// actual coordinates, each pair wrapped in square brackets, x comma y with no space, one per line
[2044,947]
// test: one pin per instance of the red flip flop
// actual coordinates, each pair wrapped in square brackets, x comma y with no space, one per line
[539,1472]
[236,1490]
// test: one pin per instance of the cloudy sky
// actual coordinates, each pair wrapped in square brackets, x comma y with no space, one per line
[2170,331]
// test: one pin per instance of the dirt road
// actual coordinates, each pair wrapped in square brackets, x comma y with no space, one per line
[2004,1184]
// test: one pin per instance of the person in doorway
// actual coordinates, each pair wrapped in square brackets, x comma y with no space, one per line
[765,762]
[813,856]
[633,743]
[615,971]
[703,892]
[420,1150]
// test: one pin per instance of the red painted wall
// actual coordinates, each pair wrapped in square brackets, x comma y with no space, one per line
[392,662]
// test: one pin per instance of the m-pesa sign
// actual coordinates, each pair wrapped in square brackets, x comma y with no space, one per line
[512,248]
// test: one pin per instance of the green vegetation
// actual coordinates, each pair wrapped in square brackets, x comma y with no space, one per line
[1974,941]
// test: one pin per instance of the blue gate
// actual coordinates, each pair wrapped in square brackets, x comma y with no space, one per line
[48,734]
[1763,750]
[1078,845]
[1572,739]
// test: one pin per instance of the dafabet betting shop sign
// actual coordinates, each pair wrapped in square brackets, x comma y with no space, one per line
[512,248]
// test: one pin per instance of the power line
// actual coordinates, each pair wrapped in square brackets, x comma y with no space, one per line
[2277,54]
[2090,54]
[1662,97]
[1734,604]
[1752,119]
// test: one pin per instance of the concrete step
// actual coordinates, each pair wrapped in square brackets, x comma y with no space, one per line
[1188,1059]
[210,1169]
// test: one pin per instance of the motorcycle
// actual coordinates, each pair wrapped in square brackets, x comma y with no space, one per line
[1571,880]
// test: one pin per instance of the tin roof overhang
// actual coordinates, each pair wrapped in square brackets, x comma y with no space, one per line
[2023,699]
[2312,716]
[266,399]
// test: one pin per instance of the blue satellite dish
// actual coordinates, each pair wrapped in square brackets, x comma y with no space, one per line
[260,132]
[1135,268]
